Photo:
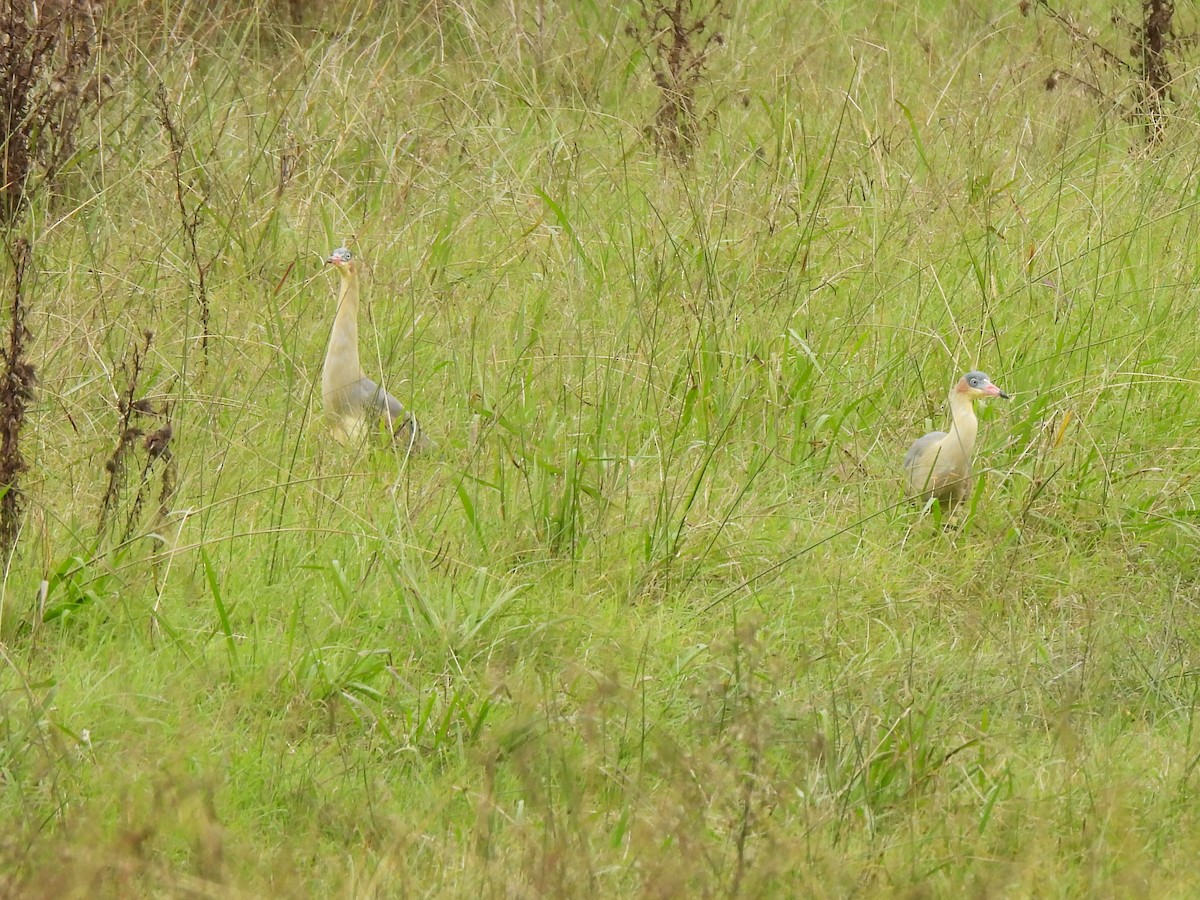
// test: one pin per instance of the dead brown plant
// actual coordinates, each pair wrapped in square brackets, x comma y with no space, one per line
[16,393]
[679,38]
[48,78]
[127,432]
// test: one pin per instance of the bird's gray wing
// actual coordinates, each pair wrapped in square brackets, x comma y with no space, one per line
[913,457]
[366,395]
[376,399]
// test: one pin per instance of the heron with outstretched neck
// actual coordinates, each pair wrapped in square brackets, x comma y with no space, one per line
[353,402]
[938,465]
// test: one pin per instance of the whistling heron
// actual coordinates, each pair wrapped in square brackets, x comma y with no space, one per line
[938,465]
[353,402]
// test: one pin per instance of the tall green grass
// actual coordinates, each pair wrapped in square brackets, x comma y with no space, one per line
[655,617]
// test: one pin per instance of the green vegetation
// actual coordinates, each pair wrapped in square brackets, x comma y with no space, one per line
[654,618]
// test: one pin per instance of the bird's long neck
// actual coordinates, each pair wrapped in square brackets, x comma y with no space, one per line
[343,341]
[961,440]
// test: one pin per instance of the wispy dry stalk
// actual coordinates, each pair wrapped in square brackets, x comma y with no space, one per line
[189,219]
[289,160]
[47,79]
[16,392]
[1077,34]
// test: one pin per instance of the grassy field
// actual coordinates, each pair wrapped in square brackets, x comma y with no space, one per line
[655,617]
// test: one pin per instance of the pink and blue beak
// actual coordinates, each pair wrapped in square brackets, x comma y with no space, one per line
[992,391]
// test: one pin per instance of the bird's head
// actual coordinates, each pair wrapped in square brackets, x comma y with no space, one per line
[342,260]
[977,385]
